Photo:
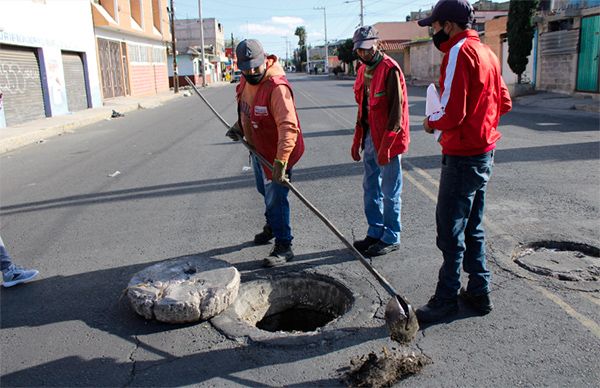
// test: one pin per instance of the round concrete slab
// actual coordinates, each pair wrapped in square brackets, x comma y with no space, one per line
[185,289]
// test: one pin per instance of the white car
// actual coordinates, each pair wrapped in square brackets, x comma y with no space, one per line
[236,76]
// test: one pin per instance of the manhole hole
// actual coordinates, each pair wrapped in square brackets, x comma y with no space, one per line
[297,309]
[292,304]
[563,260]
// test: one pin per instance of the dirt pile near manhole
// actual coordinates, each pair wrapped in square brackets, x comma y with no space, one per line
[384,370]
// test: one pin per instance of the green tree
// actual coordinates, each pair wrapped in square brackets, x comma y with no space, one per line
[346,54]
[520,29]
[300,58]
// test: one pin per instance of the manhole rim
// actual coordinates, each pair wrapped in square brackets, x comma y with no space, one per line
[542,273]
[360,313]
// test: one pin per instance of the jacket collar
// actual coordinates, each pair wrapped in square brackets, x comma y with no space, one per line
[469,34]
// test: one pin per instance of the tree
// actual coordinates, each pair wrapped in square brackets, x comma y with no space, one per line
[520,30]
[346,54]
[300,58]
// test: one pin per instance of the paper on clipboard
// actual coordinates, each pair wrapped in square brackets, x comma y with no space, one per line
[432,105]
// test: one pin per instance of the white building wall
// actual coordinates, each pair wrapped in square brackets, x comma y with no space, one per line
[52,26]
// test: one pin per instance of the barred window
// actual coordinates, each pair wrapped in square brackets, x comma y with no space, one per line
[147,54]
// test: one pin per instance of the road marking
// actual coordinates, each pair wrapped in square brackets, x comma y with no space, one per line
[592,299]
[585,321]
[493,228]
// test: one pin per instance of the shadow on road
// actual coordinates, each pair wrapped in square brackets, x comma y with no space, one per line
[95,298]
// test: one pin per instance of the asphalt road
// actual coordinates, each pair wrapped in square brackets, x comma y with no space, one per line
[182,189]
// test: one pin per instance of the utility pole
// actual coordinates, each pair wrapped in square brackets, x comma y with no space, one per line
[362,11]
[286,50]
[202,43]
[326,43]
[232,54]
[362,14]
[307,57]
[174,48]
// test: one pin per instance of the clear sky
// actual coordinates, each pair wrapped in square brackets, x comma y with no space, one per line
[270,21]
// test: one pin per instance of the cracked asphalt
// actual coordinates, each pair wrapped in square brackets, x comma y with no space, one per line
[183,190]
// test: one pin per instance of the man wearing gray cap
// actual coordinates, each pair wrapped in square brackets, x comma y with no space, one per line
[382,133]
[473,97]
[268,120]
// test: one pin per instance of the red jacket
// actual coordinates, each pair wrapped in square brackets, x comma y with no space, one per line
[383,139]
[474,96]
[263,127]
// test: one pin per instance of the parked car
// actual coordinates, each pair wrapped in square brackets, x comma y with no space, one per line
[236,76]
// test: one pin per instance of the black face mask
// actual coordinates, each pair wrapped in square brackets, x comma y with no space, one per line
[373,60]
[439,38]
[254,79]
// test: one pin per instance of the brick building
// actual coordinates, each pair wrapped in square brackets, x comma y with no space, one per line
[131,37]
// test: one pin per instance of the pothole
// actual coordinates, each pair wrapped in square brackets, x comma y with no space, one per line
[294,309]
[562,260]
[292,304]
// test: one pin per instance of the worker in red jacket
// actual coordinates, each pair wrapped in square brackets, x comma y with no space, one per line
[382,133]
[473,97]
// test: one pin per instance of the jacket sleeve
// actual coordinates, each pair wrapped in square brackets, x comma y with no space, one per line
[505,101]
[394,93]
[454,97]
[284,113]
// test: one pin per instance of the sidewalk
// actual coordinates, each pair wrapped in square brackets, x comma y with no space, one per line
[554,101]
[37,131]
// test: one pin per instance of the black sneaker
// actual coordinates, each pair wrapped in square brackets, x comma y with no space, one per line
[280,254]
[265,236]
[482,304]
[380,248]
[363,245]
[437,309]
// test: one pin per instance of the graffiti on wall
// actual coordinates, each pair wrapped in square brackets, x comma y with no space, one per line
[14,78]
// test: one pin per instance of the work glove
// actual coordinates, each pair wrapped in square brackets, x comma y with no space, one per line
[355,152]
[279,171]
[383,154]
[235,132]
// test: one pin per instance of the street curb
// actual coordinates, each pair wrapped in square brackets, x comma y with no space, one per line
[69,123]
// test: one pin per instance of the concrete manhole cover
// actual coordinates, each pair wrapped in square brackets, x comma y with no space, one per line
[293,309]
[185,289]
[561,260]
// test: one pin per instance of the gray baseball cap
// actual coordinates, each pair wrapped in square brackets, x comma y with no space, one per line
[364,37]
[250,54]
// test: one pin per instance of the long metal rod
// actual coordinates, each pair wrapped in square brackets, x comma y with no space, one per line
[384,283]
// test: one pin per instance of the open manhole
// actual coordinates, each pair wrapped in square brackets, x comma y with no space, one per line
[563,260]
[296,309]
[292,304]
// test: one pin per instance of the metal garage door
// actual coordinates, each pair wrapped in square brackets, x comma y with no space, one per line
[20,84]
[74,81]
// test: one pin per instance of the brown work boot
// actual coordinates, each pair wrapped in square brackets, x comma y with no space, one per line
[280,254]
[363,245]
[437,309]
[265,236]
[482,303]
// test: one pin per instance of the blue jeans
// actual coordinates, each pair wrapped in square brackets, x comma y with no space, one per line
[277,206]
[382,186]
[5,261]
[459,220]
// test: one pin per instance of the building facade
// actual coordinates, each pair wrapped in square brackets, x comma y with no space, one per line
[568,46]
[131,37]
[48,62]
[187,33]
